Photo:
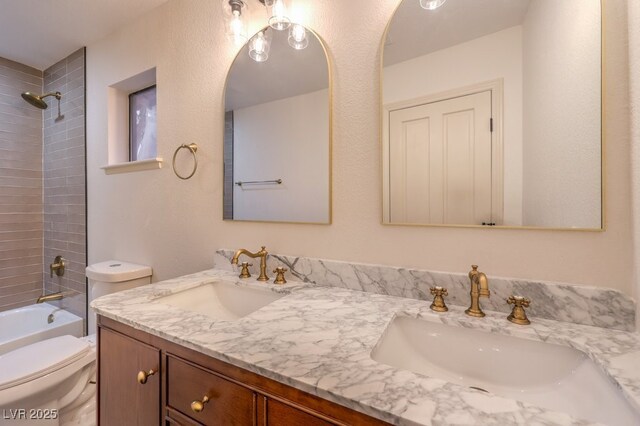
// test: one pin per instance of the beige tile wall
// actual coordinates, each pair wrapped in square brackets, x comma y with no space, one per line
[64,181]
[21,210]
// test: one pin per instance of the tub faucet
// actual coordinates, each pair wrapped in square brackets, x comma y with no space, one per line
[479,288]
[49,297]
[262,254]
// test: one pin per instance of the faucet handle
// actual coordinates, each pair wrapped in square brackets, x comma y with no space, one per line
[279,271]
[244,273]
[57,266]
[518,314]
[473,271]
[438,304]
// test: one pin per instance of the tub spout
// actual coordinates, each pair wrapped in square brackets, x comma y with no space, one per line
[49,297]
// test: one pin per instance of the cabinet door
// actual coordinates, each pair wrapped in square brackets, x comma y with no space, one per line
[123,400]
[279,414]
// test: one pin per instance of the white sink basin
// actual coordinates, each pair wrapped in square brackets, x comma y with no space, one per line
[221,300]
[555,377]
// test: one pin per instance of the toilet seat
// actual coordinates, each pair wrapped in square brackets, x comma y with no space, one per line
[40,359]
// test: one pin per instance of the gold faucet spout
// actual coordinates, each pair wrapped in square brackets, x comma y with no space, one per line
[262,254]
[479,288]
[484,285]
[49,297]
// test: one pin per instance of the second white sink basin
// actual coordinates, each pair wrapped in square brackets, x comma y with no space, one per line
[221,300]
[555,377]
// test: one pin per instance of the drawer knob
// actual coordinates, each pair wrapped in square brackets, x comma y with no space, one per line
[198,406]
[143,376]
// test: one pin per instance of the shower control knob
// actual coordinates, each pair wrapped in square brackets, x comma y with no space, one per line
[57,266]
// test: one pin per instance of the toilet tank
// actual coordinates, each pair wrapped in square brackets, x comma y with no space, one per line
[113,276]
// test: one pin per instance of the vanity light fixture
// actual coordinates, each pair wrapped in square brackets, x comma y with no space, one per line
[431,4]
[235,25]
[277,10]
[298,37]
[259,46]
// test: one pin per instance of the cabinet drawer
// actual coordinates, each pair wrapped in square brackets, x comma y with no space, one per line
[229,403]
[279,414]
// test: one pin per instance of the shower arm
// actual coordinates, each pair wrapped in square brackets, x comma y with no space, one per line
[57,95]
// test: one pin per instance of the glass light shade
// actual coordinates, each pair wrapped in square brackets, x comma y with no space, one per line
[298,37]
[431,4]
[235,25]
[278,19]
[259,47]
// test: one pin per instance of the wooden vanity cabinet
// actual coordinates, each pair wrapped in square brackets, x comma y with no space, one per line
[235,396]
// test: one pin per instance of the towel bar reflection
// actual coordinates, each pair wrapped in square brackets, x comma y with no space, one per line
[193,148]
[260,182]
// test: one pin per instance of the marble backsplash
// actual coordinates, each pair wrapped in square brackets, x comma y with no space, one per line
[600,307]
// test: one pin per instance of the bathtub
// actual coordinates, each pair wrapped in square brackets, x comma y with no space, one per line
[29,324]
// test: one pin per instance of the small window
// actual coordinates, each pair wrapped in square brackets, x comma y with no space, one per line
[142,124]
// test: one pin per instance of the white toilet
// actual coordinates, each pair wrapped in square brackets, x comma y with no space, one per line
[52,382]
[110,277]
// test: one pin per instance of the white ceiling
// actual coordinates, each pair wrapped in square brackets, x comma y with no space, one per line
[416,32]
[287,72]
[39,33]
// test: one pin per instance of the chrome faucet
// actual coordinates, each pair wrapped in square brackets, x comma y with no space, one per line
[479,288]
[262,254]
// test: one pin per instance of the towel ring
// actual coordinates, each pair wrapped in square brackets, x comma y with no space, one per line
[193,148]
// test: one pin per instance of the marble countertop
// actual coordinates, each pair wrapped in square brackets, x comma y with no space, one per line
[319,340]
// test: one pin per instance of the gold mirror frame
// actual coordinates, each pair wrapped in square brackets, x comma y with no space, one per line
[603,198]
[330,171]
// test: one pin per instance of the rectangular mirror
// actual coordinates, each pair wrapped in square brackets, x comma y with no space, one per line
[277,139]
[492,114]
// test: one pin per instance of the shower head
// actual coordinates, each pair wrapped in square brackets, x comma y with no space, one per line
[37,100]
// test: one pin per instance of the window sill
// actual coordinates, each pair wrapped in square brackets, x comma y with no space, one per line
[133,166]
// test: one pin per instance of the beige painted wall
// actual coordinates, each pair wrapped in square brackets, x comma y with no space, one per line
[154,218]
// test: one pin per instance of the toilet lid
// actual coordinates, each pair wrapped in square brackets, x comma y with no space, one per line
[38,359]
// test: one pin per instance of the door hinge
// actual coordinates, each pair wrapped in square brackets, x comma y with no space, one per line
[491,124]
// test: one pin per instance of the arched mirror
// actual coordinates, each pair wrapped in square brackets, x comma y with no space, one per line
[277,138]
[492,114]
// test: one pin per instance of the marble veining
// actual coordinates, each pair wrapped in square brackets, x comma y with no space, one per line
[594,306]
[319,340]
